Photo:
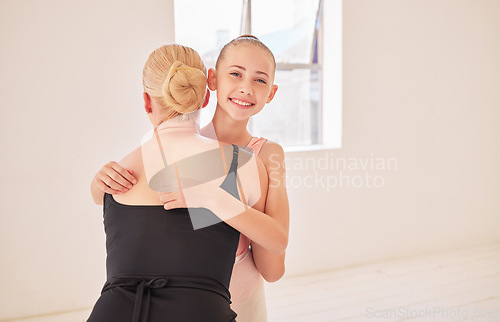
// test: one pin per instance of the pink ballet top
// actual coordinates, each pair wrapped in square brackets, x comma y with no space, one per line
[255,144]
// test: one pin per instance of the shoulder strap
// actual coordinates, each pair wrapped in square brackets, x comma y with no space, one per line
[230,183]
[256,144]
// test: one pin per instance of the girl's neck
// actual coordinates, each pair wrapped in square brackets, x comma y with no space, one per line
[178,126]
[229,130]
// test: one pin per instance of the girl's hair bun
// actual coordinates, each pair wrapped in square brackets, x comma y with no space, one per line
[184,88]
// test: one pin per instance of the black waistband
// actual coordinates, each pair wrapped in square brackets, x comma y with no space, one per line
[143,285]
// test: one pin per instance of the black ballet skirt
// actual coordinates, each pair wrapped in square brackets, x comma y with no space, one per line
[160,269]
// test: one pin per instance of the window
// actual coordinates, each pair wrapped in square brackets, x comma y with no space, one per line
[294,31]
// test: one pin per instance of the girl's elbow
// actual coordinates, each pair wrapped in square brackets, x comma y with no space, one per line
[283,244]
[275,275]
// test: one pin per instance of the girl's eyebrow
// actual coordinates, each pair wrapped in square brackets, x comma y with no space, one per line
[243,68]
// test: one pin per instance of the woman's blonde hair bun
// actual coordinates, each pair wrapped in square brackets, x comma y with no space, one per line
[184,88]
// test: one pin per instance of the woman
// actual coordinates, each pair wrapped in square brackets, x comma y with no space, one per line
[159,268]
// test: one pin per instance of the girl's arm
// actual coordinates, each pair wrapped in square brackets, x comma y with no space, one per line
[112,179]
[271,233]
[270,265]
[268,231]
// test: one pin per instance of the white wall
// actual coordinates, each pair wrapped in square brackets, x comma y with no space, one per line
[70,85]
[421,82]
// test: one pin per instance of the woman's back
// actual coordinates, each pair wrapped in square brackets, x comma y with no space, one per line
[158,265]
[149,240]
[159,268]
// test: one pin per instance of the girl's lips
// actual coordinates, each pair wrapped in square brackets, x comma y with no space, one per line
[241,103]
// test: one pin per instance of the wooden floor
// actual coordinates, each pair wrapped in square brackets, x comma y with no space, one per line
[454,286]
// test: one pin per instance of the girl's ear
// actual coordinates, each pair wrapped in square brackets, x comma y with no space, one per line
[211,81]
[147,103]
[274,88]
[207,99]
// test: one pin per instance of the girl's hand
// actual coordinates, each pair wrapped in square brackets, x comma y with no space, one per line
[172,200]
[114,179]
[211,196]
[206,195]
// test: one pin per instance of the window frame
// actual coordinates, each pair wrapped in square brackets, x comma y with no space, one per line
[331,61]
[328,117]
[246,28]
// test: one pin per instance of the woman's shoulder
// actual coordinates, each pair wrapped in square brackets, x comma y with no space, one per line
[133,160]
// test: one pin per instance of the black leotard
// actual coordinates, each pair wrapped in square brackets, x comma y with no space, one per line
[160,269]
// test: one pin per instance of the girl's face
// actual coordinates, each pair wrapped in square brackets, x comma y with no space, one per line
[243,80]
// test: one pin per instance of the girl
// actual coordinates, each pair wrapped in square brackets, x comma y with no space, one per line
[243,78]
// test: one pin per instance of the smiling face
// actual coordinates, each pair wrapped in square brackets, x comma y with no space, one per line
[243,80]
